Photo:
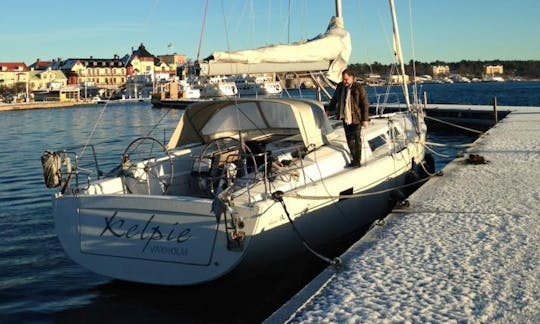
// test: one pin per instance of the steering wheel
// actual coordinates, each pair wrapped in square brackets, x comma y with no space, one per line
[222,145]
[142,151]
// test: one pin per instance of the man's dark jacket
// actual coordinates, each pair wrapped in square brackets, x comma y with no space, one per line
[359,98]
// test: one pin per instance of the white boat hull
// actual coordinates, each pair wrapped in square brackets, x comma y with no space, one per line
[222,89]
[178,240]
[259,89]
[203,211]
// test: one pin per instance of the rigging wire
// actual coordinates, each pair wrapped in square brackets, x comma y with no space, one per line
[252,24]
[269,23]
[289,23]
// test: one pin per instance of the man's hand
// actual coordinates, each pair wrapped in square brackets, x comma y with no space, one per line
[365,124]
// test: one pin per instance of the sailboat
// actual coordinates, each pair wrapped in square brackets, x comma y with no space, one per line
[242,183]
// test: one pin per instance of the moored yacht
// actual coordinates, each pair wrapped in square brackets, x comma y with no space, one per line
[242,184]
[260,85]
[224,194]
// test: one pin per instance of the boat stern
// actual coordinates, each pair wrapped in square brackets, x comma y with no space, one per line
[159,240]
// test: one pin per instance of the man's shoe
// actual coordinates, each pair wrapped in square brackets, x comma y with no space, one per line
[354,164]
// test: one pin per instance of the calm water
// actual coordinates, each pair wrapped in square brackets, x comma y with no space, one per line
[507,93]
[39,283]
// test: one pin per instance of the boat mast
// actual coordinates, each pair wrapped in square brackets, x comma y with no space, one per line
[338,9]
[398,54]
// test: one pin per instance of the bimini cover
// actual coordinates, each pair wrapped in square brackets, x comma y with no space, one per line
[205,121]
[333,46]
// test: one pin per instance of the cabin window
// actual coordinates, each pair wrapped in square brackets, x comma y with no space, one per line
[345,193]
[376,142]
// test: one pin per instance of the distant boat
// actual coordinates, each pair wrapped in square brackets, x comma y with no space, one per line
[188,91]
[493,79]
[256,85]
[459,78]
[216,86]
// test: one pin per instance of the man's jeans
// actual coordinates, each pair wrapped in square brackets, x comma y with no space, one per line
[354,140]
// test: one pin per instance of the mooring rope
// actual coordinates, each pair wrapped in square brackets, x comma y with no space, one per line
[450,145]
[435,152]
[454,125]
[278,196]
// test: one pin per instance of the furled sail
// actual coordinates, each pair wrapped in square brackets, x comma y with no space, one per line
[327,52]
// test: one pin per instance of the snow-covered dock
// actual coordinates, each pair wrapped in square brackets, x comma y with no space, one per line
[465,250]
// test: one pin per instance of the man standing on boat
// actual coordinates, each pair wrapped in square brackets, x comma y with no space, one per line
[350,103]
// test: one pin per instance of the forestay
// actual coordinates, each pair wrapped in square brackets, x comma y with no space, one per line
[327,52]
[206,121]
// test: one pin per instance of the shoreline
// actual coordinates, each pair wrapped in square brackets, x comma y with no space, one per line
[42,105]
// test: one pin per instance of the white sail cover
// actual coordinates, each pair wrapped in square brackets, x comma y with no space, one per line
[329,51]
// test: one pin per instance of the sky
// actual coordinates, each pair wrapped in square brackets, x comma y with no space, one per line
[446,30]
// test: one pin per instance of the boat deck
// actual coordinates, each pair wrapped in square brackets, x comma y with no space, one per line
[465,250]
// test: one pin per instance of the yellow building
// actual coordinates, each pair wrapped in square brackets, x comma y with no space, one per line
[493,70]
[440,70]
[102,73]
[398,79]
[12,73]
[47,80]
[140,61]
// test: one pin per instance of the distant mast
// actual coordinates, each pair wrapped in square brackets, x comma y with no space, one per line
[398,54]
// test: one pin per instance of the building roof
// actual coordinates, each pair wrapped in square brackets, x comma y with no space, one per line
[90,63]
[40,65]
[140,52]
[13,67]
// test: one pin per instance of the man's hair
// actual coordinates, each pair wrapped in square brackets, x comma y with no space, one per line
[348,72]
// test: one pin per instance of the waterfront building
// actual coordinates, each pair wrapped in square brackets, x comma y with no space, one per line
[174,62]
[100,72]
[46,80]
[440,70]
[398,79]
[12,73]
[139,62]
[140,72]
[492,70]
[105,74]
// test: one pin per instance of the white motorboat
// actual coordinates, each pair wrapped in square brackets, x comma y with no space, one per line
[216,86]
[188,91]
[240,185]
[256,85]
